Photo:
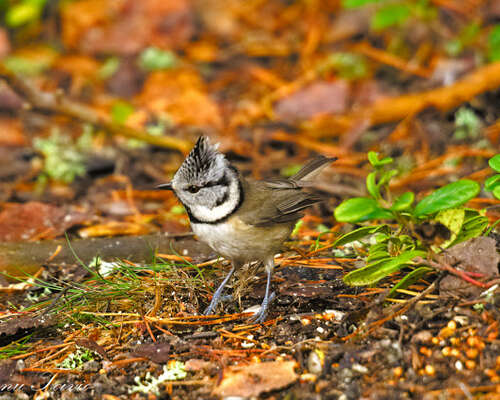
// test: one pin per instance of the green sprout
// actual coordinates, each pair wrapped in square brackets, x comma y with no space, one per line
[395,250]
[76,359]
[173,371]
[64,160]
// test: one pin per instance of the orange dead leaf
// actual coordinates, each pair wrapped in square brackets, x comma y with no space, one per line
[182,95]
[254,379]
[115,228]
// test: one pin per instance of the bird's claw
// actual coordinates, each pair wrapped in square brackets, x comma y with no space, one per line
[260,316]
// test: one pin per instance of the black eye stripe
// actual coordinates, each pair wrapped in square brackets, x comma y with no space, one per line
[216,183]
[223,181]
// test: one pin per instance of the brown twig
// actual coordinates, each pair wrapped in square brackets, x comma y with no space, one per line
[391,109]
[59,104]
[442,266]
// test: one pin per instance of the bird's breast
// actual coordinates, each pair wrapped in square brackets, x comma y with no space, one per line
[236,240]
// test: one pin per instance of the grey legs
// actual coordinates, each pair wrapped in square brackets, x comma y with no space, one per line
[260,316]
[216,297]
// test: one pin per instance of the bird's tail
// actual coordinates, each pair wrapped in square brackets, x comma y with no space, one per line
[312,168]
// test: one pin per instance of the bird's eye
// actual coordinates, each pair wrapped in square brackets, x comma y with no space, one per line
[193,189]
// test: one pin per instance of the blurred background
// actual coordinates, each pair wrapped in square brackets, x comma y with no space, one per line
[98,98]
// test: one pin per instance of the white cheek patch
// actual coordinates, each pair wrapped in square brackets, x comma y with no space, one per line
[206,214]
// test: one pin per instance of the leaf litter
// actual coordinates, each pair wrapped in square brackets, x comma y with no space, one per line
[273,82]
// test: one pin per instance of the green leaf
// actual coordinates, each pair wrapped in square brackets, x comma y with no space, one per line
[453,219]
[494,163]
[492,182]
[496,192]
[121,111]
[387,176]
[378,251]
[380,269]
[373,158]
[297,226]
[403,202]
[379,213]
[410,279]
[494,44]
[375,162]
[290,170]
[371,185]
[474,225]
[357,3]
[109,67]
[22,14]
[360,209]
[385,161]
[153,59]
[26,66]
[467,124]
[390,15]
[492,226]
[350,66]
[358,234]
[452,195]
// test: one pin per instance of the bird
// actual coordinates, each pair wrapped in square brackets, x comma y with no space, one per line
[242,220]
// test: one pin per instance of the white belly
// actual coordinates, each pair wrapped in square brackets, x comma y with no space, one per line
[235,240]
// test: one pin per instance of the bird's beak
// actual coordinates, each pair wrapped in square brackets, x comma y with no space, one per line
[165,186]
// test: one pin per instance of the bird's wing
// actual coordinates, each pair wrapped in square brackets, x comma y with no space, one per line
[267,206]
[281,200]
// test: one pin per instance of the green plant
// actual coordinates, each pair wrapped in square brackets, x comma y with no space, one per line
[492,184]
[467,124]
[153,58]
[120,112]
[394,250]
[23,12]
[494,43]
[15,348]
[467,36]
[380,204]
[63,159]
[393,13]
[76,359]
[173,371]
[346,65]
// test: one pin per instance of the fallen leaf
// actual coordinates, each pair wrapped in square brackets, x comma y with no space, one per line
[9,100]
[34,220]
[127,80]
[92,345]
[11,128]
[116,228]
[478,255]
[156,352]
[23,322]
[254,379]
[4,43]
[315,99]
[177,93]
[196,364]
[126,26]
[7,369]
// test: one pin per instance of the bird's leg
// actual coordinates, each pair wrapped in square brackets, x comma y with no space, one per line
[260,316]
[216,297]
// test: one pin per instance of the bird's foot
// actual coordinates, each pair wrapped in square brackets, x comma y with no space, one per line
[260,316]
[211,307]
[213,304]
